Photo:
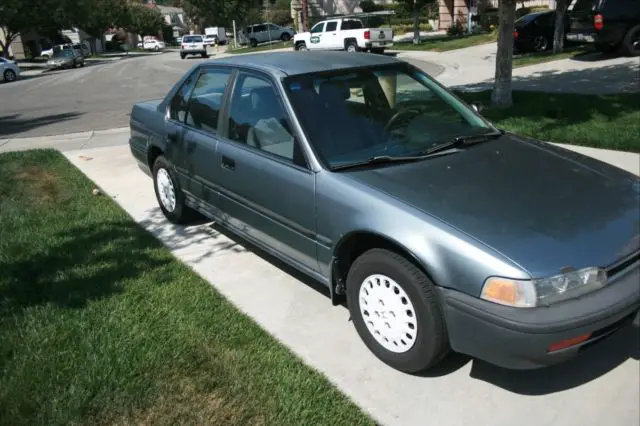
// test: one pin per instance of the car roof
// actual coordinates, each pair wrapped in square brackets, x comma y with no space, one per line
[295,63]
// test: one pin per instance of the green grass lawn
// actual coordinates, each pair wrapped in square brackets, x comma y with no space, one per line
[100,324]
[442,44]
[527,59]
[262,47]
[611,121]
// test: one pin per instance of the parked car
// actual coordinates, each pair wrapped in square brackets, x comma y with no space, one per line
[266,32]
[534,32]
[66,58]
[154,44]
[611,25]
[83,49]
[193,45]
[48,53]
[344,34]
[9,70]
[367,175]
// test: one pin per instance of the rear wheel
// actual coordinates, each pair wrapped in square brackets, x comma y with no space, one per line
[351,46]
[168,193]
[182,56]
[631,43]
[540,43]
[253,42]
[396,311]
[9,76]
[285,37]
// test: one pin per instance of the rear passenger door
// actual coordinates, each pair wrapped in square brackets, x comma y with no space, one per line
[266,188]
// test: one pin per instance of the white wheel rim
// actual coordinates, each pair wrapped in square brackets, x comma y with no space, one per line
[388,313]
[165,190]
[351,48]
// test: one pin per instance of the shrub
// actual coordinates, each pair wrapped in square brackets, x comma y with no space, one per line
[456,30]
[404,28]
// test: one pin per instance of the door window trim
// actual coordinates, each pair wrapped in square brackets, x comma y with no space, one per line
[223,133]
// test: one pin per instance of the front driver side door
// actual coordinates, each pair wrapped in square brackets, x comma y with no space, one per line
[266,189]
[315,39]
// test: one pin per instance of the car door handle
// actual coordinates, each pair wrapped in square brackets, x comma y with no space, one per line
[228,163]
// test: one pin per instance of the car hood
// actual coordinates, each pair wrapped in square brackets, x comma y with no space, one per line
[541,206]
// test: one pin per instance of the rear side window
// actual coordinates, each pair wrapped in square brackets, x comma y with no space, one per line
[585,5]
[331,26]
[205,101]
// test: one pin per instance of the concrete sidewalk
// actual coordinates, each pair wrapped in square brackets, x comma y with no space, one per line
[598,389]
[473,68]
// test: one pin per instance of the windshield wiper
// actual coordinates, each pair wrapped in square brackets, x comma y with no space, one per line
[461,141]
[387,159]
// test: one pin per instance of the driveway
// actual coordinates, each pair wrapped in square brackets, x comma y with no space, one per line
[599,388]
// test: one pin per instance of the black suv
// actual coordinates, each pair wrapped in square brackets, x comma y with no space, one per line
[612,25]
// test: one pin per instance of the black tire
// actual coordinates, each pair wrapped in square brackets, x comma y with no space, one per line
[431,342]
[301,46]
[82,64]
[9,76]
[157,48]
[540,44]
[351,46]
[253,42]
[285,37]
[182,56]
[181,214]
[204,55]
[631,43]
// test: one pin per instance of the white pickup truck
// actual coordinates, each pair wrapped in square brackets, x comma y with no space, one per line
[344,34]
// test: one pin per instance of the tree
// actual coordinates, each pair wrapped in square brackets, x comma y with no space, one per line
[219,12]
[18,16]
[558,33]
[416,8]
[501,95]
[144,20]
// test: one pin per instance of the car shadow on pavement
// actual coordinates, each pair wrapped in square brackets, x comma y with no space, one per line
[13,124]
[594,362]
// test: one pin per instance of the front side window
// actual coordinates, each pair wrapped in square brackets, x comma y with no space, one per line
[331,26]
[353,115]
[257,119]
[178,106]
[317,28]
[203,108]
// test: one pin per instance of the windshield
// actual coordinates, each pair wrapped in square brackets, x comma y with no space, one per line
[352,115]
[192,39]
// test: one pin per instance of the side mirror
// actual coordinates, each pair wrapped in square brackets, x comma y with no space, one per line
[478,107]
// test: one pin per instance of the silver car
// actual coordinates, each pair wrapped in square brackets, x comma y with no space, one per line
[263,33]
[442,231]
[9,70]
[66,58]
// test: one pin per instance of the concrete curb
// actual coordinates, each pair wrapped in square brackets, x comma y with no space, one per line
[64,142]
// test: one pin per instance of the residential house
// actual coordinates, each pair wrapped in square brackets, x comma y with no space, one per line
[175,17]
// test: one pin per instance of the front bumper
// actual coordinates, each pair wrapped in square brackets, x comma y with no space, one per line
[520,338]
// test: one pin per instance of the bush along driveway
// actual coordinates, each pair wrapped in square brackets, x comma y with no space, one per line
[100,324]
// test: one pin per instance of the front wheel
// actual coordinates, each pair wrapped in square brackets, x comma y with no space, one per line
[396,312]
[631,43]
[182,56]
[301,46]
[540,44]
[168,192]
[156,48]
[253,42]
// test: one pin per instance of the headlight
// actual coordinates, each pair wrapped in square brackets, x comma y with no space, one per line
[544,291]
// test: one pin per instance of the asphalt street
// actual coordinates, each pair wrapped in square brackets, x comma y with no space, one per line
[95,97]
